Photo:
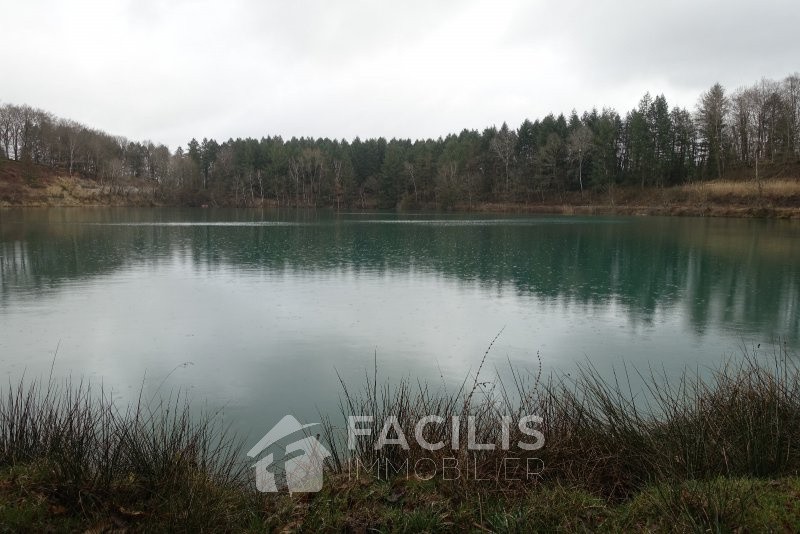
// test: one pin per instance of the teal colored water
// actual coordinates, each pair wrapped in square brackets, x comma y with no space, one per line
[256,311]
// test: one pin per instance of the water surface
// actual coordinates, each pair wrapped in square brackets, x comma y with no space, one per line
[257,310]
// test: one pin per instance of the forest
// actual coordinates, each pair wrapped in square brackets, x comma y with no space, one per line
[738,134]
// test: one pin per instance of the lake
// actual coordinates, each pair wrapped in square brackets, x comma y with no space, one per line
[257,311]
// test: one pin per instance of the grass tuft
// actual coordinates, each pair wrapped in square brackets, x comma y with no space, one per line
[77,452]
[609,436]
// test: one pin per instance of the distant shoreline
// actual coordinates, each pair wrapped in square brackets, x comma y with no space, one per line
[764,212]
[742,212]
[773,198]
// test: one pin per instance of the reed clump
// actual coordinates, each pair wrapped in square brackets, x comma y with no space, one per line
[610,435]
[92,463]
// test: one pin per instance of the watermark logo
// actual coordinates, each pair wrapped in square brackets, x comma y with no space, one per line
[301,464]
[452,465]
[301,467]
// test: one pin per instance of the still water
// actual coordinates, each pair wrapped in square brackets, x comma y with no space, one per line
[257,311]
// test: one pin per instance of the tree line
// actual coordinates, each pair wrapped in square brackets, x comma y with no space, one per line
[652,145]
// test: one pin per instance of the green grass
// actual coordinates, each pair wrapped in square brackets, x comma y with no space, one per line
[709,451]
[30,503]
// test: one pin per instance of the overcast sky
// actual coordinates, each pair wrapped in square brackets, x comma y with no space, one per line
[172,70]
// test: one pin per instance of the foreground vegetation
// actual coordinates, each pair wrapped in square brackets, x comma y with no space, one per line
[712,450]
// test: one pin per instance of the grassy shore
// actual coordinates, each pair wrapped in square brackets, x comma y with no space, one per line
[711,450]
[774,198]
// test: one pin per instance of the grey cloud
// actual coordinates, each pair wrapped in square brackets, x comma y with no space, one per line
[168,71]
[690,43]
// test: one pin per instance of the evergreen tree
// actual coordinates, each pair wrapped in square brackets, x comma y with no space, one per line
[712,110]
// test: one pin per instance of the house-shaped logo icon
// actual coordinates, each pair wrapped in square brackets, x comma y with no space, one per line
[302,462]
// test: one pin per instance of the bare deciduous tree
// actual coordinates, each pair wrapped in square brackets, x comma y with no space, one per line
[504,145]
[579,146]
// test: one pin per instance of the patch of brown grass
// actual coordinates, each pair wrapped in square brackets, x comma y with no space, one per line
[780,188]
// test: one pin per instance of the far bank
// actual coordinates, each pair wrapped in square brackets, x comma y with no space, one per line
[38,186]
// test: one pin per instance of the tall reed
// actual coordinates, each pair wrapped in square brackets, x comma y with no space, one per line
[610,435]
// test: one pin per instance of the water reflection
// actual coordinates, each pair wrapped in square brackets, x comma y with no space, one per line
[738,274]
